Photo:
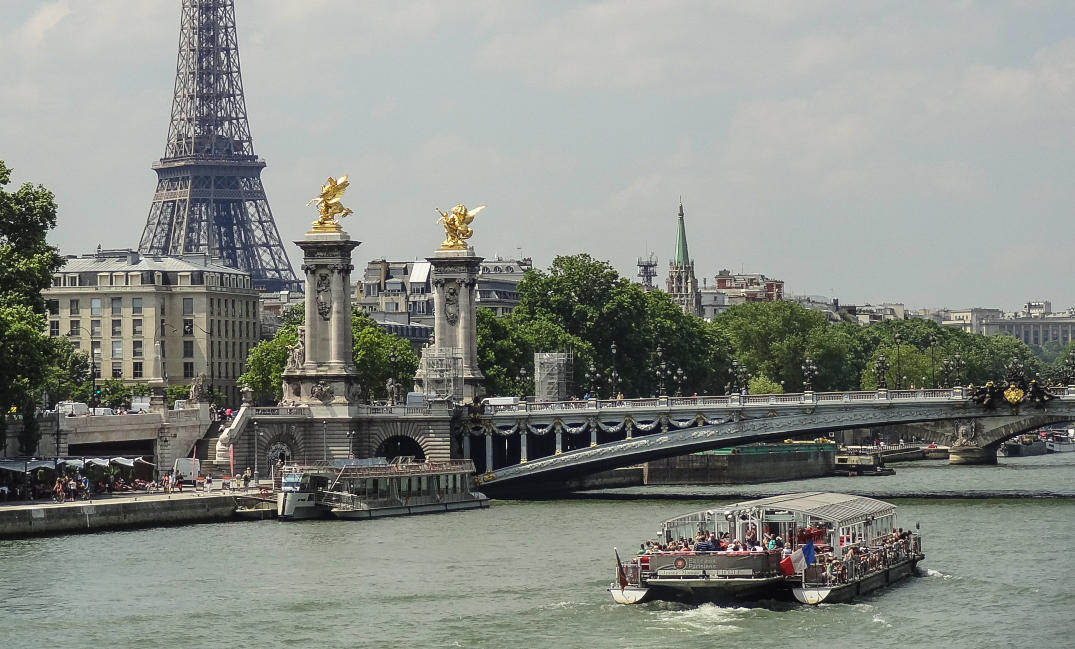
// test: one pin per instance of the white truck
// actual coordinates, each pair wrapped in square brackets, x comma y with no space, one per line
[187,469]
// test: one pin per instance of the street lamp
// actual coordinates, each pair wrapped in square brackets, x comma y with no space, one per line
[959,364]
[932,365]
[594,377]
[809,368]
[392,375]
[740,378]
[661,371]
[614,376]
[899,371]
[524,375]
[324,441]
[93,367]
[256,435]
[880,370]
[679,378]
[350,444]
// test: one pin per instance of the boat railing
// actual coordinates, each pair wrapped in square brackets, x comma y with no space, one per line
[390,469]
[857,565]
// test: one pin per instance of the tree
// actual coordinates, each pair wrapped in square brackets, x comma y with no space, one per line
[771,338]
[764,385]
[27,263]
[507,345]
[372,351]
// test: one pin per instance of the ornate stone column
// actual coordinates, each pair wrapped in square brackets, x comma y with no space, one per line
[455,280]
[320,368]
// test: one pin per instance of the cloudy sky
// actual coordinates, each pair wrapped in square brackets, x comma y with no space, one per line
[920,152]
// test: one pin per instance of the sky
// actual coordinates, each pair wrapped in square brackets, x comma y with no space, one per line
[915,152]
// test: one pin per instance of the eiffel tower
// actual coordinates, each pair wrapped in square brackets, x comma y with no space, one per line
[209,196]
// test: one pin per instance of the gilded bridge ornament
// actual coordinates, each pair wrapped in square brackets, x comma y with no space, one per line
[456,226]
[329,206]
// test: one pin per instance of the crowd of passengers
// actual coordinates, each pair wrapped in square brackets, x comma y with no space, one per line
[723,542]
[857,558]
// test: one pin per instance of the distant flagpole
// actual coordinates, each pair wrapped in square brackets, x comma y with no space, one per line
[620,574]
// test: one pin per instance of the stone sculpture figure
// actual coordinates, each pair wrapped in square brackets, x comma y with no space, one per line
[197,388]
[457,226]
[296,354]
[322,391]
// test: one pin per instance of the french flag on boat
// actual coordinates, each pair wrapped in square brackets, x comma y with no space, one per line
[799,559]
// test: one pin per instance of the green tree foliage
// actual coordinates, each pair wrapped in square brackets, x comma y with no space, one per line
[174,393]
[372,351]
[27,263]
[764,385]
[771,338]
[507,345]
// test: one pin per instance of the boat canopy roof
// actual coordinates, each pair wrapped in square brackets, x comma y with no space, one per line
[817,505]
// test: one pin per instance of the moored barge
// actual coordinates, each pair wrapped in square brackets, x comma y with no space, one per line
[377,488]
[811,547]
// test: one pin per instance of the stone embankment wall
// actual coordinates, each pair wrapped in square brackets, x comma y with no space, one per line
[101,515]
[739,468]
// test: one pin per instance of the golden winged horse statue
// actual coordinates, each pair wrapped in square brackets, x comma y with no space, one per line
[329,206]
[457,226]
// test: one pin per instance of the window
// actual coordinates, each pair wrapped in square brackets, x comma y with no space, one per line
[117,305]
[117,370]
[136,370]
[73,307]
[95,327]
[188,306]
[95,350]
[188,349]
[53,307]
[117,327]
[95,306]
[76,328]
[188,327]
[54,328]
[136,327]
[136,349]
[188,370]
[117,349]
[136,305]
[164,328]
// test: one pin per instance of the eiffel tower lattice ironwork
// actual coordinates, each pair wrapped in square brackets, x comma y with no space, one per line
[209,196]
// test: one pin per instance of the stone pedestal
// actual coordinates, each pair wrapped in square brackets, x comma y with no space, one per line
[455,280]
[320,369]
[972,455]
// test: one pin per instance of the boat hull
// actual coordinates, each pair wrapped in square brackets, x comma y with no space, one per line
[1059,447]
[408,510]
[1036,447]
[849,591]
[298,506]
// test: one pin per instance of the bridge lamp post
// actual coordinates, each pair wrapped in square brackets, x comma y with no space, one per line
[350,444]
[93,367]
[899,370]
[661,371]
[392,375]
[523,376]
[679,378]
[958,364]
[1068,368]
[809,368]
[256,435]
[932,365]
[594,377]
[614,376]
[880,371]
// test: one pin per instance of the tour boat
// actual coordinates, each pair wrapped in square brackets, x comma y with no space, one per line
[376,488]
[1060,441]
[838,546]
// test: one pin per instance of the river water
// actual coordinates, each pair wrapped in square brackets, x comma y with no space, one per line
[532,574]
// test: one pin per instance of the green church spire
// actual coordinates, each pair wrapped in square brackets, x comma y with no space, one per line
[681,257]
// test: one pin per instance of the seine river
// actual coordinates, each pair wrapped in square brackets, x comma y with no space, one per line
[533,574]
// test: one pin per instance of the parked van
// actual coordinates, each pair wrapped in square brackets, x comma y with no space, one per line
[72,408]
[500,401]
[180,404]
[139,403]
[416,399]
[188,468]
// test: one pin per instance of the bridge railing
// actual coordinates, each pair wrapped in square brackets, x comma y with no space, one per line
[281,411]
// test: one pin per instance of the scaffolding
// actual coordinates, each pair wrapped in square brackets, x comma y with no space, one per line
[441,373]
[553,375]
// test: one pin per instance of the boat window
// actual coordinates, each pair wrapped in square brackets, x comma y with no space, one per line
[422,485]
[382,488]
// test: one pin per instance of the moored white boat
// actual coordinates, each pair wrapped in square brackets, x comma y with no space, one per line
[376,488]
[1060,441]
[823,547]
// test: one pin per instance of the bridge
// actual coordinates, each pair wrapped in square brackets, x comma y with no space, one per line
[532,448]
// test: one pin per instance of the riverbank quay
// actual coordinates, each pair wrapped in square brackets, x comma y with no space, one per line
[117,512]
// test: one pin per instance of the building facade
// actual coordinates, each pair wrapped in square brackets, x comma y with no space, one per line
[401,292]
[157,320]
